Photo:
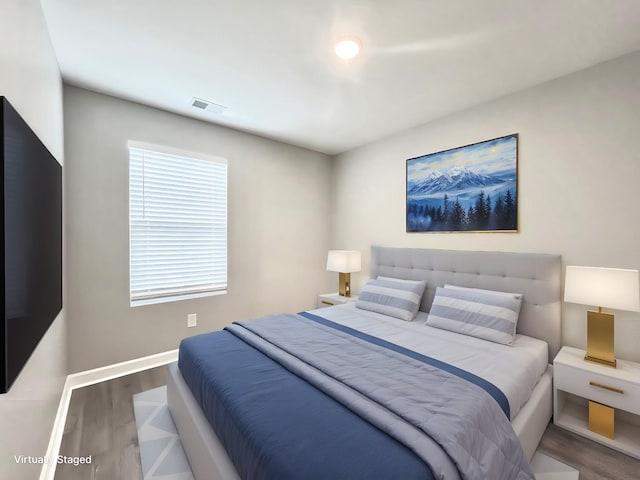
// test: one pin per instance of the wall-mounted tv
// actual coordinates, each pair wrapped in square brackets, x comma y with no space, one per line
[31,254]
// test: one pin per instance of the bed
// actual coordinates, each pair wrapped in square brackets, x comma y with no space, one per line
[528,403]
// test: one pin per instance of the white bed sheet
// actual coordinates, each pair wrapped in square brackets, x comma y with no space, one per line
[515,369]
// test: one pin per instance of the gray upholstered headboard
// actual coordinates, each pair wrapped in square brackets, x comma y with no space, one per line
[537,276]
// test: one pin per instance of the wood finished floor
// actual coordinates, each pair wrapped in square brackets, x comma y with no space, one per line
[594,461]
[101,423]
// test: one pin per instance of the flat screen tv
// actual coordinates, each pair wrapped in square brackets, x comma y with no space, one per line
[31,242]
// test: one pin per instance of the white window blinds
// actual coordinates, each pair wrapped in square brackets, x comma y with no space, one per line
[177,225]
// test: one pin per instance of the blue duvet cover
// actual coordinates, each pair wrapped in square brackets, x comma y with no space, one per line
[300,397]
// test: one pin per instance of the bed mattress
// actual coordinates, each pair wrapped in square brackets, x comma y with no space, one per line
[339,431]
[515,370]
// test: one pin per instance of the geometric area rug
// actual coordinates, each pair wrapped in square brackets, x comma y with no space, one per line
[161,451]
[164,459]
[548,468]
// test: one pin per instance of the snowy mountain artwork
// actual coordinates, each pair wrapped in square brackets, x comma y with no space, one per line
[471,188]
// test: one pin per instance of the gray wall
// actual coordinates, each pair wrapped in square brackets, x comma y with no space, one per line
[30,79]
[279,207]
[579,170]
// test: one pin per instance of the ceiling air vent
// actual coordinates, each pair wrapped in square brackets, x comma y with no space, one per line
[207,106]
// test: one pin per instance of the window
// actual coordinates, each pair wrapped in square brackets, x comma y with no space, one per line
[177,225]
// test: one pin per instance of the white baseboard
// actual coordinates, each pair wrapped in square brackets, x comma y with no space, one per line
[89,377]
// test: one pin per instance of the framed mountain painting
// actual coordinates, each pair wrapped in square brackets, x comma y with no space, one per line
[466,189]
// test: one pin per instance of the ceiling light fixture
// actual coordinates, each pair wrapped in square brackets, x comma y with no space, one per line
[347,49]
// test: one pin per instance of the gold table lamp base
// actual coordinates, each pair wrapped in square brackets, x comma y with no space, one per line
[600,338]
[344,284]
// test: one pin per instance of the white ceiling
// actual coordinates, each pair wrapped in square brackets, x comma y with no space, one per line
[271,61]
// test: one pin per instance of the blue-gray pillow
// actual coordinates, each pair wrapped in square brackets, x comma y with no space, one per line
[392,296]
[481,314]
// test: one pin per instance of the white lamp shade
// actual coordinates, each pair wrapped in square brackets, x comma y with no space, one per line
[603,287]
[345,261]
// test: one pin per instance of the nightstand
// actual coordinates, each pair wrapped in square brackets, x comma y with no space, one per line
[614,392]
[331,299]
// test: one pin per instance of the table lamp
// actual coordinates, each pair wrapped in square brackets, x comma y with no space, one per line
[344,262]
[603,287]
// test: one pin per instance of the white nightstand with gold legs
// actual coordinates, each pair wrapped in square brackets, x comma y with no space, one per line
[331,299]
[598,402]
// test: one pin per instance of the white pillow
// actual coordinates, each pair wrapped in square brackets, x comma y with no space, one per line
[495,292]
[479,313]
[392,296]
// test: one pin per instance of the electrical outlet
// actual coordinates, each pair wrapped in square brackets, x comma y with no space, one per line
[192,320]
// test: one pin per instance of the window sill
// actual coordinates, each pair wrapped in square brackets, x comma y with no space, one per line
[175,298]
